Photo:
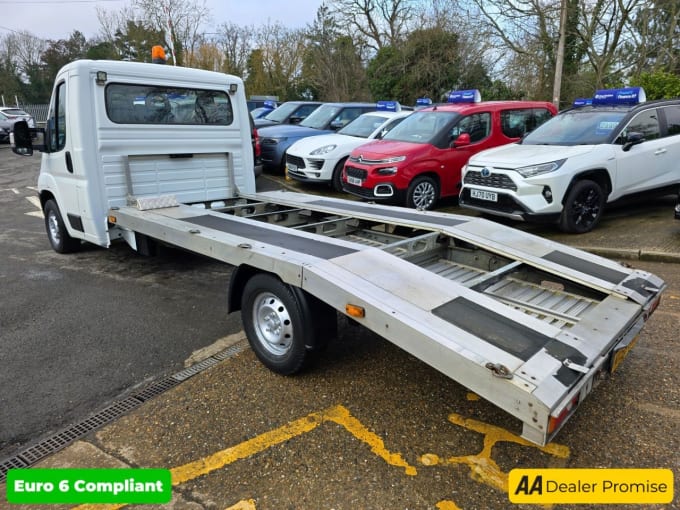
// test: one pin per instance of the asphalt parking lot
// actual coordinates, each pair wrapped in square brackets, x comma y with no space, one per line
[369,427]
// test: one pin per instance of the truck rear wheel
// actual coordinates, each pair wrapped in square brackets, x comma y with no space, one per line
[59,238]
[278,324]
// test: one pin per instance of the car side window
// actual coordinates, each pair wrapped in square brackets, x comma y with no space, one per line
[646,122]
[477,125]
[517,123]
[672,114]
[305,110]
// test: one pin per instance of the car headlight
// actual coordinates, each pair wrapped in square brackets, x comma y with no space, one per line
[391,170]
[395,159]
[273,141]
[542,168]
[323,150]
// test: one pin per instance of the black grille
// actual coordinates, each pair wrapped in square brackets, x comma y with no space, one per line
[315,164]
[359,173]
[358,190]
[295,160]
[492,181]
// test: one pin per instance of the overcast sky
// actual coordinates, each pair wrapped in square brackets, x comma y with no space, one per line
[57,19]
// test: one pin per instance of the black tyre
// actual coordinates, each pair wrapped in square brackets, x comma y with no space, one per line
[422,193]
[582,208]
[59,238]
[278,324]
[336,180]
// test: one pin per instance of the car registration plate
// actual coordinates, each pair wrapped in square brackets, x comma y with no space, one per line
[489,196]
[620,355]
[355,181]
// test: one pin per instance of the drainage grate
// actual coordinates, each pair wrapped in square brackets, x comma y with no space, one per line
[47,447]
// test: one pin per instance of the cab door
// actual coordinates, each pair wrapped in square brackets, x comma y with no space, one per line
[57,173]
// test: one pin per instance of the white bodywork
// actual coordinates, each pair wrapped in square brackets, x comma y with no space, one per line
[317,156]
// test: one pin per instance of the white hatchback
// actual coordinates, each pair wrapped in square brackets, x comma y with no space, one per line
[322,158]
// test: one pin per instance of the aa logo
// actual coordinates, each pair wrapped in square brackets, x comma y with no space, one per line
[528,487]
[599,485]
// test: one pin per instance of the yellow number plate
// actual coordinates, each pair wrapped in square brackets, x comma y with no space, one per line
[620,355]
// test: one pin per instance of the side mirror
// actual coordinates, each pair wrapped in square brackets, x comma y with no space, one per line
[462,140]
[20,139]
[295,120]
[336,125]
[633,138]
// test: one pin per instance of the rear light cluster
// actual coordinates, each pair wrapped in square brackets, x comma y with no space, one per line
[557,421]
[256,144]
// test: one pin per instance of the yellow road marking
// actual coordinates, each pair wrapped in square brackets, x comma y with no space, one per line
[246,504]
[483,468]
[337,414]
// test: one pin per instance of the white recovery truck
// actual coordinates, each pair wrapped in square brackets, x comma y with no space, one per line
[158,154]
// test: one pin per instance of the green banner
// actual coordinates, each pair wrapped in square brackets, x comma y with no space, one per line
[51,486]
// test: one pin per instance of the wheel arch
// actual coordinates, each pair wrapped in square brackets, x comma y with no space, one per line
[597,175]
[324,316]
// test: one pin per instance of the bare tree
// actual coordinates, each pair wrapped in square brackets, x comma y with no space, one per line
[235,43]
[275,64]
[381,22]
[603,28]
[186,19]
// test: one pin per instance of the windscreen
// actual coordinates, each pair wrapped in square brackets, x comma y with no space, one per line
[422,127]
[363,126]
[321,117]
[577,127]
[281,113]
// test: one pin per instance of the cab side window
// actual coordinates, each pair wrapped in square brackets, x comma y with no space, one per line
[646,122]
[56,120]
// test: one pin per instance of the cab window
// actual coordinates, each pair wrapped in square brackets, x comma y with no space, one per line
[151,104]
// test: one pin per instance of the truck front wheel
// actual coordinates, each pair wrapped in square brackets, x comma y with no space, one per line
[278,324]
[59,238]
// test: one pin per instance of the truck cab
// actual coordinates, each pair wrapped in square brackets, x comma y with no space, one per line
[122,131]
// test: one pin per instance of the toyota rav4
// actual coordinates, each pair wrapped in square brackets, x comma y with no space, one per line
[615,146]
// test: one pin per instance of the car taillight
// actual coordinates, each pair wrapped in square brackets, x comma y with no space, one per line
[257,148]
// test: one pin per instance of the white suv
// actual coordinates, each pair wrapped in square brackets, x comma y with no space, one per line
[568,168]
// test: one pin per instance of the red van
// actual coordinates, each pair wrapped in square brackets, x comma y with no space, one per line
[420,160]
